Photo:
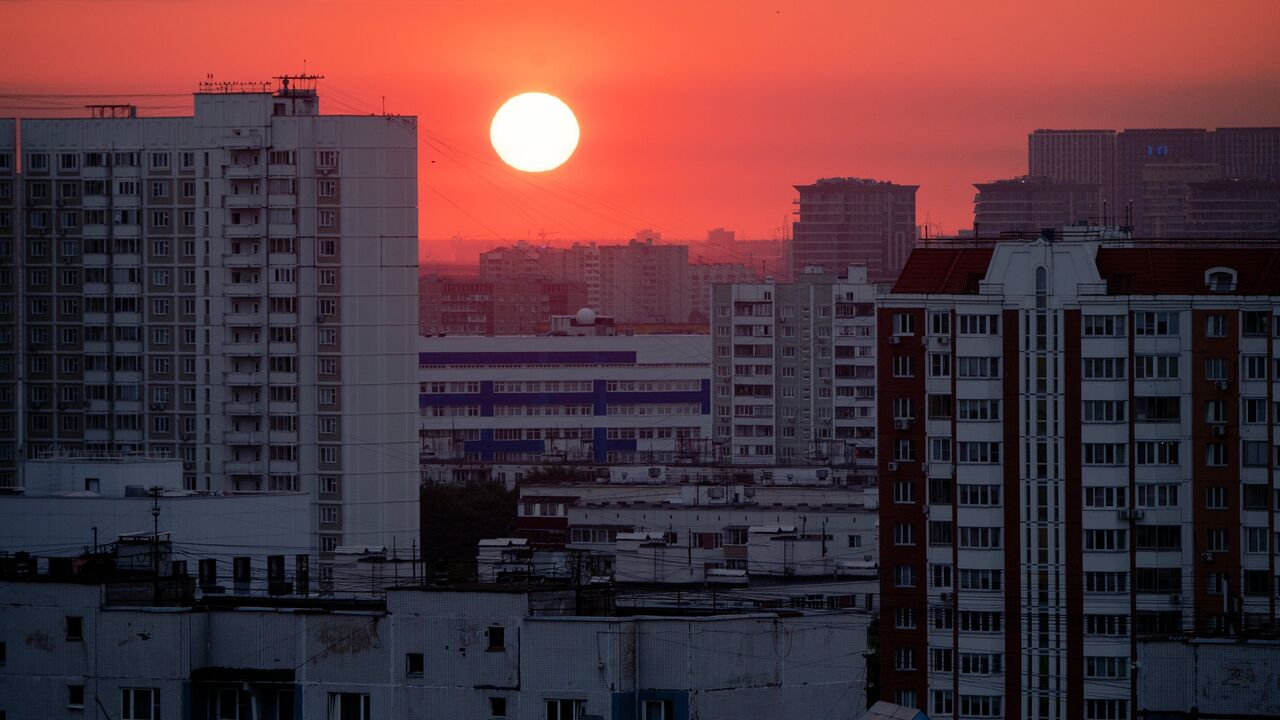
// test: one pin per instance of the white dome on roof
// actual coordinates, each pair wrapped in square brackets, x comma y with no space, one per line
[586,316]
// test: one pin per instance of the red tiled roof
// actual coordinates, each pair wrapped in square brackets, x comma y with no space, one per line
[952,271]
[1180,271]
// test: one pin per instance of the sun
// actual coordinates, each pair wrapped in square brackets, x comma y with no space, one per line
[534,132]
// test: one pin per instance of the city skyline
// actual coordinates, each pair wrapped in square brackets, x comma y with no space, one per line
[932,99]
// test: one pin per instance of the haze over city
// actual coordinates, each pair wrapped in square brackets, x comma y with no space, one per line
[694,115]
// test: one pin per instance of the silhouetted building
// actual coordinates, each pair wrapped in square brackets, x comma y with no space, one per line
[1125,162]
[1247,152]
[1165,188]
[1078,156]
[853,221]
[1030,204]
[1222,209]
[470,306]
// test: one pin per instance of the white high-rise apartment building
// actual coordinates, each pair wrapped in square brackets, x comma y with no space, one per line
[237,288]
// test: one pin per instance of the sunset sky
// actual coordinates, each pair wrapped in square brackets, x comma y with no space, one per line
[693,114]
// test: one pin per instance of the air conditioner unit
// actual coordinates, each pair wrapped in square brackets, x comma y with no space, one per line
[1206,556]
[1175,598]
[902,423]
[894,340]
[1223,385]
[892,467]
[1219,429]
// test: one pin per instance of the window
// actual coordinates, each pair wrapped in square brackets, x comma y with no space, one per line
[659,710]
[1104,411]
[904,534]
[980,537]
[413,665]
[1215,369]
[139,704]
[497,707]
[904,659]
[978,410]
[1163,452]
[1106,624]
[566,709]
[1106,709]
[1255,539]
[1157,537]
[1107,540]
[1157,495]
[978,452]
[1106,582]
[904,366]
[349,706]
[939,365]
[904,576]
[1254,323]
[497,638]
[904,492]
[1215,498]
[1104,453]
[1254,496]
[328,218]
[973,663]
[978,324]
[1215,540]
[1157,409]
[904,324]
[1215,454]
[75,697]
[978,367]
[1253,453]
[1215,326]
[1106,667]
[939,323]
[1104,368]
[940,659]
[904,618]
[979,621]
[75,627]
[1155,323]
[1155,367]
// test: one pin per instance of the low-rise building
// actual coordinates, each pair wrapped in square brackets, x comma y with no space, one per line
[478,653]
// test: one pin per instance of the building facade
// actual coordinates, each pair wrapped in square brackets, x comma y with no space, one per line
[1081,455]
[1030,204]
[235,289]
[1136,167]
[853,221]
[795,371]
[551,399]
[469,306]
[702,276]
[482,653]
[1236,209]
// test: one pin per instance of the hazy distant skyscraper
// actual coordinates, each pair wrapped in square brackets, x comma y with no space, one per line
[1030,204]
[852,221]
[1087,156]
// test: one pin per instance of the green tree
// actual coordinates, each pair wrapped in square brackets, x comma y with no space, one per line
[455,517]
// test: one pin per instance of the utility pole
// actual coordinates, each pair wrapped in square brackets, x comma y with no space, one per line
[155,544]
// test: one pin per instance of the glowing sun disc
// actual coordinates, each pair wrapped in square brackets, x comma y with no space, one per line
[534,132]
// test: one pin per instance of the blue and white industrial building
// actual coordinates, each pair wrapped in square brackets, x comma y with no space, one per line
[539,400]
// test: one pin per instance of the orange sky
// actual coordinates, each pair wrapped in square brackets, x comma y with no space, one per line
[694,114]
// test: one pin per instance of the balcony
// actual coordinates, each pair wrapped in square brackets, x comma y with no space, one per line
[243,289]
[242,140]
[242,349]
[237,172]
[243,467]
[242,260]
[242,319]
[242,438]
[243,408]
[245,378]
[246,200]
[243,230]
